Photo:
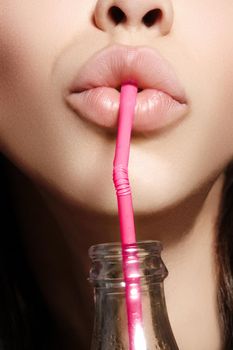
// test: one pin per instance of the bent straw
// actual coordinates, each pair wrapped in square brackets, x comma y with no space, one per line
[126,216]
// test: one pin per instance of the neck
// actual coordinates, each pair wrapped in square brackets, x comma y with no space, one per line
[64,233]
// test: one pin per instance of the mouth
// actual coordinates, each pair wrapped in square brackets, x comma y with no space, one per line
[94,94]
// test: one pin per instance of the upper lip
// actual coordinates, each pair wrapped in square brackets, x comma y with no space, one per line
[117,64]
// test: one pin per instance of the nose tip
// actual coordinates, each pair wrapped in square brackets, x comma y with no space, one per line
[157,14]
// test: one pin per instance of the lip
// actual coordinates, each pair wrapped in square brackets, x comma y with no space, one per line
[94,92]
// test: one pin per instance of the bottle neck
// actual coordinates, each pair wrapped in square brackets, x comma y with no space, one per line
[110,325]
[111,318]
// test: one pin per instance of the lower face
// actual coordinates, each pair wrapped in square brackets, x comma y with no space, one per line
[43,44]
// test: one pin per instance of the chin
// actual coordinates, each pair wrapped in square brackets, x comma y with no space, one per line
[147,198]
[158,192]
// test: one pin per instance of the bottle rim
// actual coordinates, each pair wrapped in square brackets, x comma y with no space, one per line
[114,249]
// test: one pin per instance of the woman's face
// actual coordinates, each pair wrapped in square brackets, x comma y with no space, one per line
[44,44]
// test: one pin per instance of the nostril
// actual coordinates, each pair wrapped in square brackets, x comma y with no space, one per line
[116,15]
[152,17]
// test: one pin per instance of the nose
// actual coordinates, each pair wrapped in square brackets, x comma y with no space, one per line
[153,14]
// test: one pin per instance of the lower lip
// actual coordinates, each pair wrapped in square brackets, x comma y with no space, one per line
[154,109]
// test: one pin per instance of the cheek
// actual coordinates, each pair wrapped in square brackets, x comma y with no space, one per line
[32,36]
[26,61]
[36,132]
[207,45]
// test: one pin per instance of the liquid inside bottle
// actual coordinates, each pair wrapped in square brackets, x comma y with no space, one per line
[110,320]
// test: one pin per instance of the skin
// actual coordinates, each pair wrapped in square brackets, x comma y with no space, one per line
[176,176]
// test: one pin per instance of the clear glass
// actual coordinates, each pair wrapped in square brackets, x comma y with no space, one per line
[110,323]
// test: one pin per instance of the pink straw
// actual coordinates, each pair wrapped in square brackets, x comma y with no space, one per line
[126,216]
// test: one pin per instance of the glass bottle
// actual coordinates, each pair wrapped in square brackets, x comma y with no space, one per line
[110,322]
